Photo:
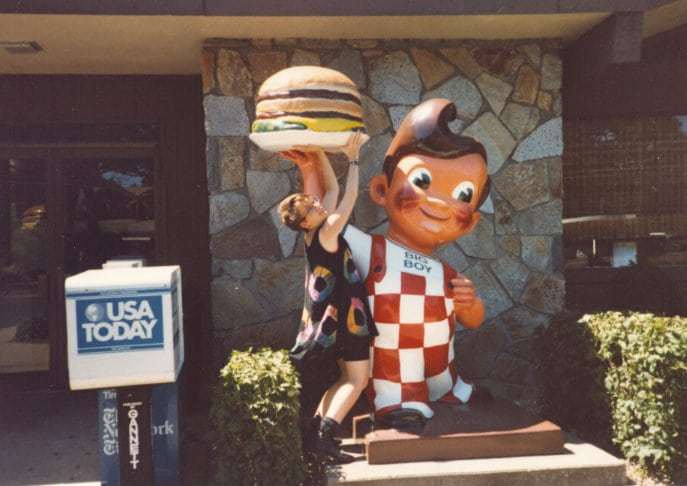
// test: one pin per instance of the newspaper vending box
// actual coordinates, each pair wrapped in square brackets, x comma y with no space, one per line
[124,335]
[124,327]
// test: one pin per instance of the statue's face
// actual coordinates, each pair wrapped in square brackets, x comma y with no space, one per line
[431,201]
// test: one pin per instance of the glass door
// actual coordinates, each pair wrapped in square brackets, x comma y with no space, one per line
[63,212]
[109,211]
[25,263]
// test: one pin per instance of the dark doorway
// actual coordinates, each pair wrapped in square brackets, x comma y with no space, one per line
[94,168]
[61,214]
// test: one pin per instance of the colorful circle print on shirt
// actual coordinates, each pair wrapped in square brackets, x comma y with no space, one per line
[326,331]
[357,320]
[350,271]
[307,329]
[321,284]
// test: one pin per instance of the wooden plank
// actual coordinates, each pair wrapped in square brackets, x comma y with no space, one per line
[38,98]
[105,7]
[600,289]
[13,101]
[653,86]
[618,39]
[323,7]
[427,7]
[185,218]
[495,429]
[646,88]
[200,263]
[669,45]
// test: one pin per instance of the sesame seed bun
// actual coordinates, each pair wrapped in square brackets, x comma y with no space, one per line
[308,77]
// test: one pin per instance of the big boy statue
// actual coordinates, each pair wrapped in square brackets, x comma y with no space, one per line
[432,184]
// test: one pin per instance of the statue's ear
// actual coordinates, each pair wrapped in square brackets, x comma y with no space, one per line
[378,189]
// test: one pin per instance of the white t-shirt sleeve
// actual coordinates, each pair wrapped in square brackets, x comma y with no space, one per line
[361,248]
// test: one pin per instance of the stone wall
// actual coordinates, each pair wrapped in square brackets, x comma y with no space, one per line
[508,97]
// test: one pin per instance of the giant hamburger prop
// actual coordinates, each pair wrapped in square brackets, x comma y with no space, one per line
[306,105]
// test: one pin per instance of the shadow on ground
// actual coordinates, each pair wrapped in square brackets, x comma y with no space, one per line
[48,437]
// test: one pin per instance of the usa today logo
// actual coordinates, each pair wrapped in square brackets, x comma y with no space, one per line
[119,324]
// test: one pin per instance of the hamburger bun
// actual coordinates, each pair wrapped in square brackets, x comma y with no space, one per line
[306,105]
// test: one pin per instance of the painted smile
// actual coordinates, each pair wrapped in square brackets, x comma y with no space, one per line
[434,215]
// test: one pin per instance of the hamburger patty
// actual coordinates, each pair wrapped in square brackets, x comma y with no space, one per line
[329,92]
[299,105]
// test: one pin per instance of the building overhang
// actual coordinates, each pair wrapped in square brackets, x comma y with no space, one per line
[325,8]
[153,37]
[629,64]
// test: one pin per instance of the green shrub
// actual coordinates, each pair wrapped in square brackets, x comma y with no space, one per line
[255,417]
[622,376]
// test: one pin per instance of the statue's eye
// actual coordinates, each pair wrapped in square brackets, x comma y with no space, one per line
[421,178]
[464,191]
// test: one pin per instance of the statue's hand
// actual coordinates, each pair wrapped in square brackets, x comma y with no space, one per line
[464,293]
[467,305]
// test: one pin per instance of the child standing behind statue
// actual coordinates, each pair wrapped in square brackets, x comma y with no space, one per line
[336,325]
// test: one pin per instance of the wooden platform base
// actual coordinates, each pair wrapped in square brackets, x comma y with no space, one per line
[495,429]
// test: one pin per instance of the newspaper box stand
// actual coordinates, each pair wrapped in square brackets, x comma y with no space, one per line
[125,330]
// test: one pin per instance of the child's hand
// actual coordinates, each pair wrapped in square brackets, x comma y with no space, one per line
[352,148]
[301,157]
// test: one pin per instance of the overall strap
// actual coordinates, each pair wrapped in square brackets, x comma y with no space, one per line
[377,260]
[449,274]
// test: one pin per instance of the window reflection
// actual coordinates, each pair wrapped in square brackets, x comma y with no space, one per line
[105,209]
[111,212]
[625,191]
[24,240]
[682,120]
[625,214]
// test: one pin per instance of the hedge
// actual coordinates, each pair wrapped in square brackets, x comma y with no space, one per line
[621,380]
[255,420]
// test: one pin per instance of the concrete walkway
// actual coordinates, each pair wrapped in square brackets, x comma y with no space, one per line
[48,438]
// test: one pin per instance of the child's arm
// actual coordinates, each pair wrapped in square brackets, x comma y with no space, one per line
[336,221]
[331,185]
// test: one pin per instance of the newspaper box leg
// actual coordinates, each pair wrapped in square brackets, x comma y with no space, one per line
[165,429]
[135,438]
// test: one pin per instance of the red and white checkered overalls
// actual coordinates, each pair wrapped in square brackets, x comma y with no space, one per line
[412,359]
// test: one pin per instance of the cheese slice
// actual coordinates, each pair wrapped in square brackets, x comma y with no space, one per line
[315,124]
